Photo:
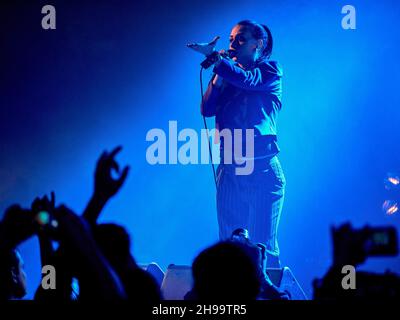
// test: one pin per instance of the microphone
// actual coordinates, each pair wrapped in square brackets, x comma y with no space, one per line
[213,57]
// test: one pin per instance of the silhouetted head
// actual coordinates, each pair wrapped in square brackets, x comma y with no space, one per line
[12,276]
[114,242]
[225,271]
[250,42]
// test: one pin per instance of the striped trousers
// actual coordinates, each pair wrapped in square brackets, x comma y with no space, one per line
[252,201]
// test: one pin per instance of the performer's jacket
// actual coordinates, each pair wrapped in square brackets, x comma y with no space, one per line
[248,99]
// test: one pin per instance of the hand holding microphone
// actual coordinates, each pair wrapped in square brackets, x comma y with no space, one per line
[208,49]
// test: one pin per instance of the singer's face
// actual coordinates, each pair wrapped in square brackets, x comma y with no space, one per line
[243,44]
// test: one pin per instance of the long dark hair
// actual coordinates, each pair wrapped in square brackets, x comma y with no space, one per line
[260,32]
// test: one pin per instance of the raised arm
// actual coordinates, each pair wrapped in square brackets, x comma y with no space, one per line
[105,186]
[266,76]
[49,256]
[97,280]
[46,249]
[209,99]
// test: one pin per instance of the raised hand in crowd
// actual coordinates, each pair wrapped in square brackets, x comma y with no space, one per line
[43,209]
[105,186]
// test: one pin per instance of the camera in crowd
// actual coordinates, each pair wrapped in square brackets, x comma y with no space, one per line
[354,246]
[351,247]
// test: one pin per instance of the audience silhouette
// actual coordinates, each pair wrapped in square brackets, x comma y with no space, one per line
[98,256]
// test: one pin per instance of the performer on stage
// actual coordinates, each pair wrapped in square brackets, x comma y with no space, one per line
[245,93]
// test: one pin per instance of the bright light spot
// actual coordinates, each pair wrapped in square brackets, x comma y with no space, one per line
[392,181]
[390,207]
[43,218]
